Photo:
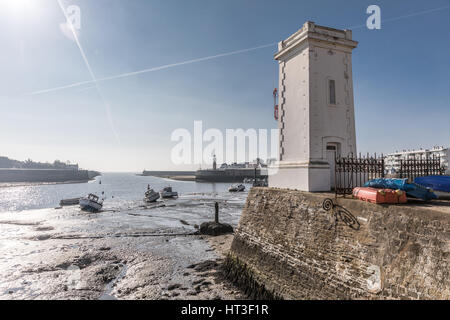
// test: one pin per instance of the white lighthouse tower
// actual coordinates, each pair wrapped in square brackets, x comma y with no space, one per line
[316,115]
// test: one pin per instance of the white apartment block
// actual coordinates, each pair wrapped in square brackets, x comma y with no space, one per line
[392,161]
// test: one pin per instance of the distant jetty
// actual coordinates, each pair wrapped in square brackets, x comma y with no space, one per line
[230,174]
[235,172]
[46,175]
[210,175]
[174,175]
[14,171]
[164,174]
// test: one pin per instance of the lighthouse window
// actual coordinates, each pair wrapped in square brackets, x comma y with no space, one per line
[332,91]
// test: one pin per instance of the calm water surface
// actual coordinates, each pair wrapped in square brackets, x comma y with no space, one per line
[121,190]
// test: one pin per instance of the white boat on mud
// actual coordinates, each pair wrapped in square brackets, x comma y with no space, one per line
[151,195]
[91,203]
[167,192]
[237,188]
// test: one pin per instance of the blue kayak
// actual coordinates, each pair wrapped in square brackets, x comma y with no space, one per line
[438,183]
[413,190]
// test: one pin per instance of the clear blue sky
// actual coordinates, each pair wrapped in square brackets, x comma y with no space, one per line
[401,74]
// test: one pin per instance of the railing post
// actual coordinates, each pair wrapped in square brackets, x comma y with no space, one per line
[335,175]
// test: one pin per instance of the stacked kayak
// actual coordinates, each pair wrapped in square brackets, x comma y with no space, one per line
[374,195]
[413,190]
[440,185]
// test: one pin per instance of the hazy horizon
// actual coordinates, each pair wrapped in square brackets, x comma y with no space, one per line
[161,65]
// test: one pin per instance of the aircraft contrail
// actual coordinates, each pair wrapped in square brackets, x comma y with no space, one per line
[91,72]
[166,66]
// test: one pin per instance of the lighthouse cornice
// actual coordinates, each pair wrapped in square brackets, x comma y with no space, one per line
[315,34]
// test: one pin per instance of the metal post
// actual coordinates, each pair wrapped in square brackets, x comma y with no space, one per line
[216,217]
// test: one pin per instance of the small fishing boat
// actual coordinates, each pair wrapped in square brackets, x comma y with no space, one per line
[151,195]
[91,203]
[69,202]
[236,188]
[167,192]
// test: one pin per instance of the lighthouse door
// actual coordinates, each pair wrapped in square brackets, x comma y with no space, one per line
[332,152]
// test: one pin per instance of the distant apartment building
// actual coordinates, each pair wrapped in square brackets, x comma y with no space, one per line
[392,161]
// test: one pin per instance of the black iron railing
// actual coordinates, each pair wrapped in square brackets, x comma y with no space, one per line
[413,168]
[352,172]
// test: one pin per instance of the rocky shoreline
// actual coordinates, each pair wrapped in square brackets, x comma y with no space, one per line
[105,269]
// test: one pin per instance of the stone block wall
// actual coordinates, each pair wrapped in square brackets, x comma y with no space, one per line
[291,247]
[42,175]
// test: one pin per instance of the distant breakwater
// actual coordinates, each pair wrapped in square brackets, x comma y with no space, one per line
[229,175]
[167,173]
[45,175]
[219,175]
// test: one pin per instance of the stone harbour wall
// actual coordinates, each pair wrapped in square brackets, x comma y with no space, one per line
[42,175]
[229,175]
[290,248]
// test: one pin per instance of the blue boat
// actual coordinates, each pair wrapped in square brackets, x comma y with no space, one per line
[440,184]
[413,190]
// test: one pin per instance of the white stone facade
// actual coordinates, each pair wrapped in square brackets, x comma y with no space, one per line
[316,107]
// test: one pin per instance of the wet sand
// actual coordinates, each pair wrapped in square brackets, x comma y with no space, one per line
[137,252]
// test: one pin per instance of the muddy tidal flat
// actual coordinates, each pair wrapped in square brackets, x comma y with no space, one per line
[132,251]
